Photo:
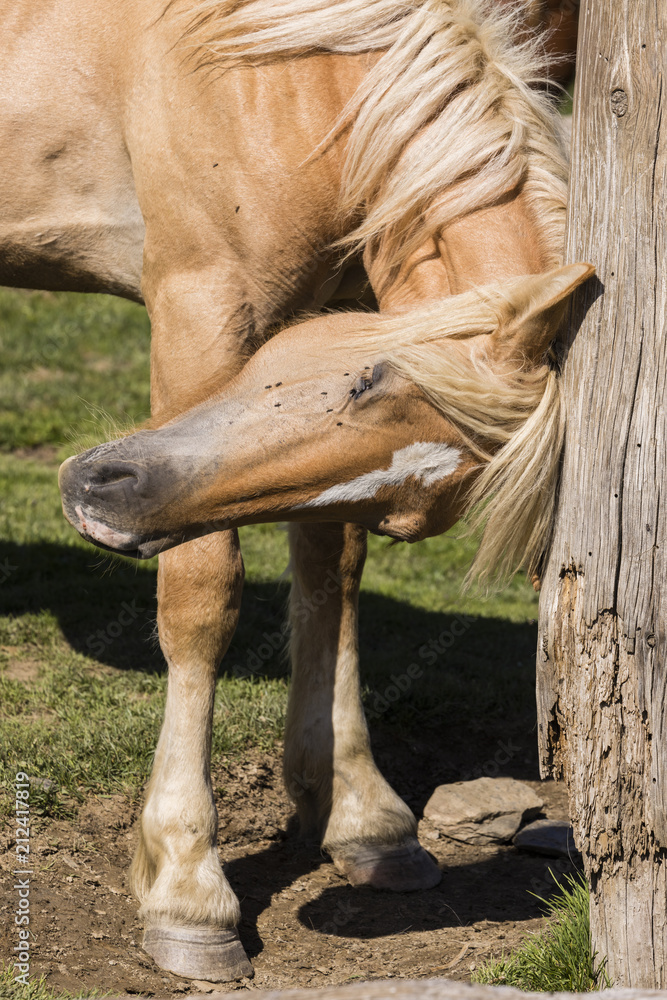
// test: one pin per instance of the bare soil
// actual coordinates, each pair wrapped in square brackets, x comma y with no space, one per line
[303,925]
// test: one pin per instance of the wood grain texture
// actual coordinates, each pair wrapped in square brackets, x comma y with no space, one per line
[601,655]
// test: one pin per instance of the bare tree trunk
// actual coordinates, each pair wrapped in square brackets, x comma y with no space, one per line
[601,656]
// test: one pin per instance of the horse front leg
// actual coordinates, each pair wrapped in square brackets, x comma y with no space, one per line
[340,795]
[190,912]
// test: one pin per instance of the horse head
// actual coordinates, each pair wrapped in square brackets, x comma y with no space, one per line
[381,421]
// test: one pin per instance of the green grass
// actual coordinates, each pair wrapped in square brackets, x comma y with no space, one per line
[81,698]
[36,989]
[63,359]
[559,958]
[567,101]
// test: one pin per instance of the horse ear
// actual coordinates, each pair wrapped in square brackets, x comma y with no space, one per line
[535,308]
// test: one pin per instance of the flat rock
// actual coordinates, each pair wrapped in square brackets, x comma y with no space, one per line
[483,811]
[552,838]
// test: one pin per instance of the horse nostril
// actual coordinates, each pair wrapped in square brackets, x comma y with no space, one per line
[105,476]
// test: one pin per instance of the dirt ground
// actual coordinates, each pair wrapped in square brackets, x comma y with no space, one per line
[303,925]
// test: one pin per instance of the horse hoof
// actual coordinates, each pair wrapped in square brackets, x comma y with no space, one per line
[402,867]
[216,956]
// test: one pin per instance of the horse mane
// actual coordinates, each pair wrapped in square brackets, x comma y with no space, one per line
[448,121]
[510,416]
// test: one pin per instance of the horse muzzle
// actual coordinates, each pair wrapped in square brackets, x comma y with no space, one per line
[106,500]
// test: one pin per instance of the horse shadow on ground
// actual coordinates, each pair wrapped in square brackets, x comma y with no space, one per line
[495,889]
[458,690]
[467,711]
[106,609]
[104,606]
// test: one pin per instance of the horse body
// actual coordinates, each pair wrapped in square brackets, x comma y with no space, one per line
[123,173]
[69,216]
[207,182]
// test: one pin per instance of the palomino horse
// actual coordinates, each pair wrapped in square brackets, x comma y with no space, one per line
[211,166]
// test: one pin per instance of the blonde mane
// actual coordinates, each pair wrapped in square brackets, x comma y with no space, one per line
[446,122]
[510,417]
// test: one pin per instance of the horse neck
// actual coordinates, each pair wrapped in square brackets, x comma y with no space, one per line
[495,243]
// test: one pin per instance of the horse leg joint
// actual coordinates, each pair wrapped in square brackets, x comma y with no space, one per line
[404,867]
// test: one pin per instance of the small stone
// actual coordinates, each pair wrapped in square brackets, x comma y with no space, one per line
[204,987]
[483,811]
[552,838]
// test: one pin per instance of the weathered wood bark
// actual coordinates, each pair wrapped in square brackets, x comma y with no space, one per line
[601,657]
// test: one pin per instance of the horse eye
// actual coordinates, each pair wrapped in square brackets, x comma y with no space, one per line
[365,381]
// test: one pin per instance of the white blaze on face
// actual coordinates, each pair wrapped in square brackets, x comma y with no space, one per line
[427,463]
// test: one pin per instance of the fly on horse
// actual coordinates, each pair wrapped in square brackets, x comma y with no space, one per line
[230,165]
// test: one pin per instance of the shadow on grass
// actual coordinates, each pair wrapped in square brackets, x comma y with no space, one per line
[104,606]
[454,693]
[106,609]
[412,658]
